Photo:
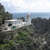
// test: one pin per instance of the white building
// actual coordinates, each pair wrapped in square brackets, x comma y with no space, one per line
[14,23]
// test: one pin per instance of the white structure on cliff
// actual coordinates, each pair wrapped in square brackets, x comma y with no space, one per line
[15,23]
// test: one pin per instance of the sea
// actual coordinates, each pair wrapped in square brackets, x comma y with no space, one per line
[32,15]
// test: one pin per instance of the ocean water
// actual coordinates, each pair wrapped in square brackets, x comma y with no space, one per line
[32,15]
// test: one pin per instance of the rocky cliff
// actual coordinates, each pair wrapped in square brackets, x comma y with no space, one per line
[4,16]
[24,38]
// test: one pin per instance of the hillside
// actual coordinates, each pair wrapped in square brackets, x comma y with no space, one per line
[24,38]
[4,16]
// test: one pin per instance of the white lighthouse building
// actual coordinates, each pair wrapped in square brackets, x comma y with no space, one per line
[15,23]
[28,19]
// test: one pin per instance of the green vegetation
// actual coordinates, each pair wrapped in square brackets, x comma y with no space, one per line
[25,38]
[6,46]
[22,38]
[0,21]
[4,15]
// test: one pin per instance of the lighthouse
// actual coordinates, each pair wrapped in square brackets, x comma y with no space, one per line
[28,19]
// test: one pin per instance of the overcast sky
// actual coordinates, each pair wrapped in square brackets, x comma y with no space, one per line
[26,5]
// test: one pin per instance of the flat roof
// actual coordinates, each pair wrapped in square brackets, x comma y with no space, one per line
[24,22]
[13,20]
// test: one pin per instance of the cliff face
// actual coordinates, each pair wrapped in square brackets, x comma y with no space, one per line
[24,38]
[2,8]
[4,15]
[41,25]
[18,39]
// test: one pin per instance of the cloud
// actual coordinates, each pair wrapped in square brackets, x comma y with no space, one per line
[26,5]
[4,0]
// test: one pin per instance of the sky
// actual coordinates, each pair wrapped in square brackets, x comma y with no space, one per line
[14,6]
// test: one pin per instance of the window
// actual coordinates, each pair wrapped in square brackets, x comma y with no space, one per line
[9,24]
[19,21]
[15,22]
[5,28]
